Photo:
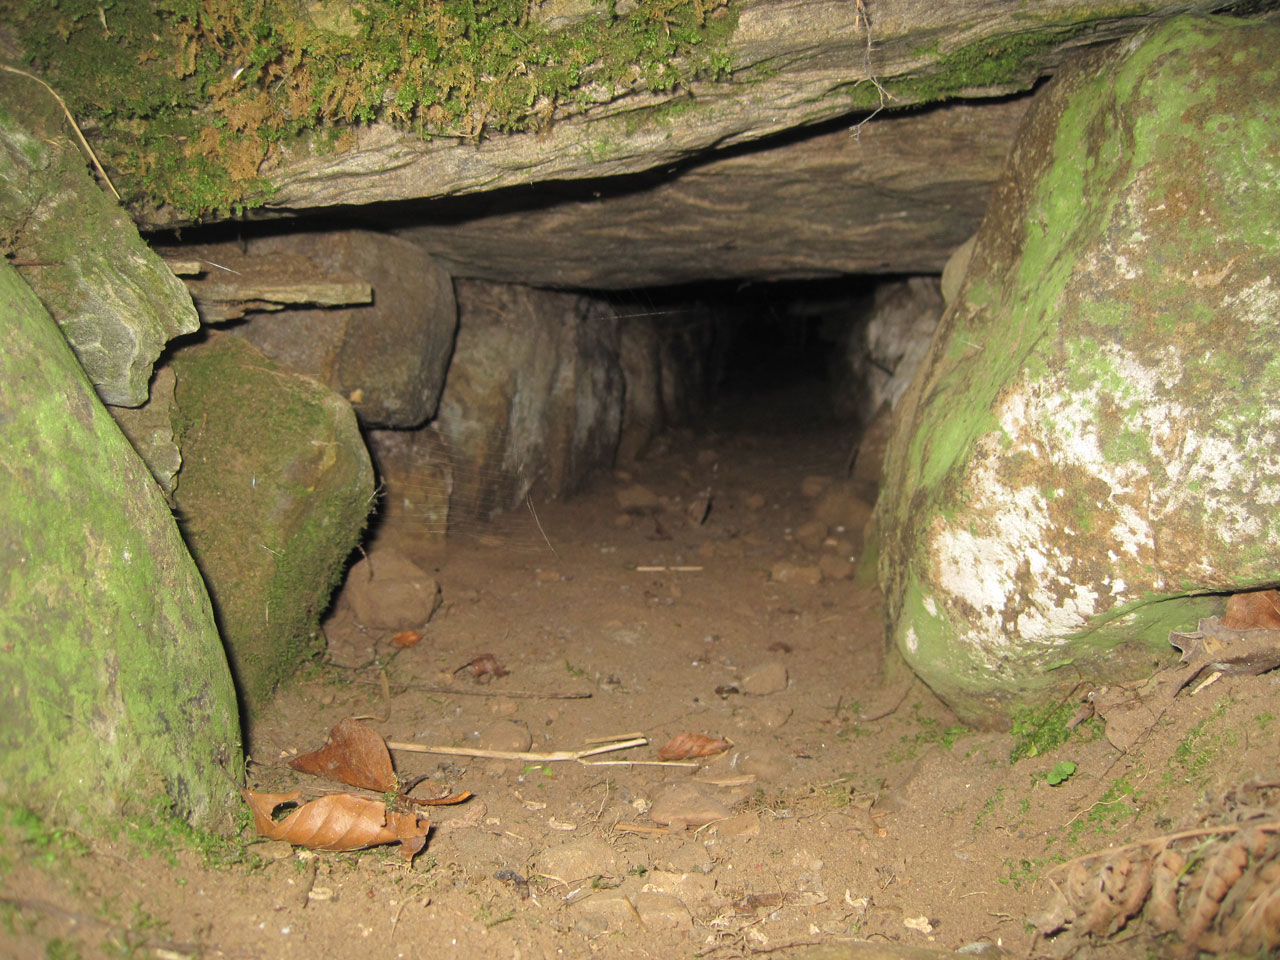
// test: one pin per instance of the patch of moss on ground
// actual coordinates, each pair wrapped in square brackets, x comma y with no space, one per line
[188,98]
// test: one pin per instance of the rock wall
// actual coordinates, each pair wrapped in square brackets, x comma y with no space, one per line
[1089,449]
[534,396]
[883,348]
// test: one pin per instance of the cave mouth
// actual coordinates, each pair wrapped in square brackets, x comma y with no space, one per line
[779,353]
[534,389]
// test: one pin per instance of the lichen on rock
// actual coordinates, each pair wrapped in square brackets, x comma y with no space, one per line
[114,688]
[1078,467]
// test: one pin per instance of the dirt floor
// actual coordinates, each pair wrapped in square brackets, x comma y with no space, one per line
[850,805]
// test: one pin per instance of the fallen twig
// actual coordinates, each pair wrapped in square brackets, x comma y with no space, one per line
[894,709]
[1268,826]
[639,828]
[552,757]
[640,763]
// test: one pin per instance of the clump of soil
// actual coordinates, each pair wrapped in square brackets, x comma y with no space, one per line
[724,603]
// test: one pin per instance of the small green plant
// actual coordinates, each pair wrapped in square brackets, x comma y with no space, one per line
[576,672]
[162,832]
[993,801]
[1061,773]
[45,843]
[1120,802]
[1018,872]
[59,949]
[1264,720]
[1201,749]
[1037,730]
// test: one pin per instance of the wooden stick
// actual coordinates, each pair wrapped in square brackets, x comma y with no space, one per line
[640,763]
[553,757]
[616,737]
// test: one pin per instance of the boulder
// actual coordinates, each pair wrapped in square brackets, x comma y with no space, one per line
[274,491]
[382,329]
[1088,450]
[415,474]
[115,300]
[114,687]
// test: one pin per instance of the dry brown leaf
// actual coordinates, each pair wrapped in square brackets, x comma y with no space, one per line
[1131,709]
[484,668]
[339,821]
[406,638]
[1162,910]
[1256,609]
[1216,647]
[354,754]
[685,746]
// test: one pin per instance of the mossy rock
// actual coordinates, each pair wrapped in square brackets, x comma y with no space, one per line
[115,300]
[274,491]
[1087,455]
[114,688]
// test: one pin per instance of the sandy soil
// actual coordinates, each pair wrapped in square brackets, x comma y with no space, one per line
[854,805]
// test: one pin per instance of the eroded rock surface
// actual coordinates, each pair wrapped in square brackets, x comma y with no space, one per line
[1091,444]
[533,400]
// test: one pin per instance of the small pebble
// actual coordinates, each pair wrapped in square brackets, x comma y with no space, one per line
[685,803]
[787,572]
[765,679]
[811,486]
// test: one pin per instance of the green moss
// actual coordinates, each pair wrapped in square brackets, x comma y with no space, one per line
[272,505]
[1037,730]
[191,97]
[991,62]
[113,682]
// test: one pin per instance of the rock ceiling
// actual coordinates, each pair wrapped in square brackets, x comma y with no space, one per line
[761,175]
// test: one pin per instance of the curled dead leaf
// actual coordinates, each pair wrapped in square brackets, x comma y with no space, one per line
[685,746]
[484,668]
[1258,609]
[406,638]
[354,754]
[339,821]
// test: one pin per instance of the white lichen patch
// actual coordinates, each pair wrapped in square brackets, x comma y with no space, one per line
[1016,576]
[1155,469]
[1004,556]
